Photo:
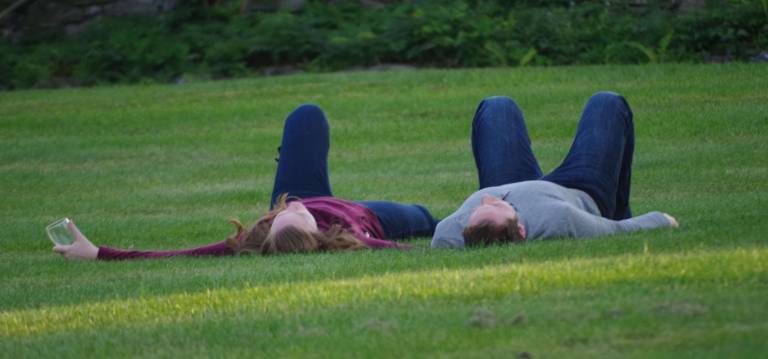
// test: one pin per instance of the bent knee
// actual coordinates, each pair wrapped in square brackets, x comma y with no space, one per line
[499,102]
[309,109]
[307,116]
[608,97]
[611,100]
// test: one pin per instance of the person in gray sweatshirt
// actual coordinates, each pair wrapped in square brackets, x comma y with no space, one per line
[586,196]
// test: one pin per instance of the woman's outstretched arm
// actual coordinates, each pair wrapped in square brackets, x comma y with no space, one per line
[83,249]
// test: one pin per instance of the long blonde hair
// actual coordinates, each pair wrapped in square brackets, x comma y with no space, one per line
[258,240]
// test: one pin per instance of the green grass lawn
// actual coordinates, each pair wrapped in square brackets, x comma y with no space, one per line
[164,167]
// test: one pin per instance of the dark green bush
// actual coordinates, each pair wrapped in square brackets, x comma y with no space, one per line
[347,35]
[218,41]
[285,38]
[130,50]
[735,32]
[38,66]
[8,57]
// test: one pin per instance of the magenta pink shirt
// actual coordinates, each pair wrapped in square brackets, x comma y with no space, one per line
[354,217]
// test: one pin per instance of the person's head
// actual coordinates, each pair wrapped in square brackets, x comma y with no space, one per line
[291,239]
[290,228]
[293,215]
[493,221]
[252,240]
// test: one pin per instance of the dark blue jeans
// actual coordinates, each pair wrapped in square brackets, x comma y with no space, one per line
[302,171]
[598,163]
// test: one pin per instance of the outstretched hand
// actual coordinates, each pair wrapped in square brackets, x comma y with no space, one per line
[80,249]
[672,220]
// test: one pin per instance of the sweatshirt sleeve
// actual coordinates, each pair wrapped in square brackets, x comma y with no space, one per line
[448,233]
[584,224]
[215,249]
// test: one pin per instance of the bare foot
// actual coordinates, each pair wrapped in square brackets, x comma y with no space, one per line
[672,221]
[80,249]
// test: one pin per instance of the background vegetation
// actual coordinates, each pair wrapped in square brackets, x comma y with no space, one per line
[219,41]
[165,167]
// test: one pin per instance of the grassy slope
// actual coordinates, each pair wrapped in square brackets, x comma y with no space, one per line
[165,166]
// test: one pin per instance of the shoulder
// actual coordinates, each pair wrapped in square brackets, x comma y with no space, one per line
[448,233]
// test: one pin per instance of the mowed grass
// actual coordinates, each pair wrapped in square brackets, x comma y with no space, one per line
[164,167]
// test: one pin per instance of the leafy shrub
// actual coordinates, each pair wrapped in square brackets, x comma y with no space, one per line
[725,30]
[218,41]
[37,66]
[347,35]
[130,50]
[8,58]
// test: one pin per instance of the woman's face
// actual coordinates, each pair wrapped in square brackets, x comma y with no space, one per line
[295,215]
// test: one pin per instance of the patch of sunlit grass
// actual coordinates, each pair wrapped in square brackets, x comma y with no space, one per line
[739,267]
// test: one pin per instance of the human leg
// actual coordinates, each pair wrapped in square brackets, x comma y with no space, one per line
[302,169]
[500,144]
[402,221]
[600,159]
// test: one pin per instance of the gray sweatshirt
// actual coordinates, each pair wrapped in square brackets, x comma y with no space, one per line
[546,210]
